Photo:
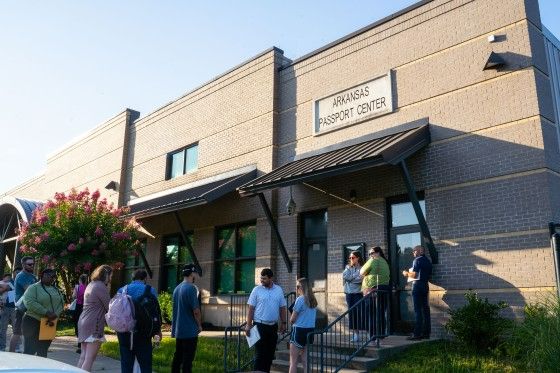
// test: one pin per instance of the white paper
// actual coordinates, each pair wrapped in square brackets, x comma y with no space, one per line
[11,296]
[253,336]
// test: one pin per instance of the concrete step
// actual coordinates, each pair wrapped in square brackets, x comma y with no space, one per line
[284,366]
[336,358]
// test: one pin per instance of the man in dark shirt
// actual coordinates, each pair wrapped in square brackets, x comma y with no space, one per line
[187,322]
[421,273]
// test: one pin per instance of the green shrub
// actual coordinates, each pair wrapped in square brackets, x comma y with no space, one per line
[534,342]
[478,324]
[166,304]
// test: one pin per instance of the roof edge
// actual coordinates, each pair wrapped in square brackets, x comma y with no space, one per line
[360,31]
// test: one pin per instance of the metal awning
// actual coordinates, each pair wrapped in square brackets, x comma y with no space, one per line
[195,194]
[390,149]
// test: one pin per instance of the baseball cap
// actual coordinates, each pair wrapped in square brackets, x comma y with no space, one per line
[189,268]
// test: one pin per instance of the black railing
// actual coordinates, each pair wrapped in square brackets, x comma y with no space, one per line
[238,309]
[334,347]
[237,354]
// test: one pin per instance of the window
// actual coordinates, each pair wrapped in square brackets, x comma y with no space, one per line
[403,213]
[182,161]
[175,256]
[235,259]
[133,263]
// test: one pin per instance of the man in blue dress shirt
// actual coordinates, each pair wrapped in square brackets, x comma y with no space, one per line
[421,273]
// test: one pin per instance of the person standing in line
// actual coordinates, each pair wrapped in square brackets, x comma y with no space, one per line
[353,291]
[377,276]
[91,322]
[42,300]
[8,313]
[141,348]
[421,273]
[303,322]
[186,321]
[267,306]
[78,295]
[23,280]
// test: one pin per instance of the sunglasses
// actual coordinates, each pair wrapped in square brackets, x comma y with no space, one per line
[298,286]
[30,264]
[352,257]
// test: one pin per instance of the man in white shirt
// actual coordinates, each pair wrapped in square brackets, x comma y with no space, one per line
[267,305]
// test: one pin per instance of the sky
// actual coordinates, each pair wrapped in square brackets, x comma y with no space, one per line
[67,66]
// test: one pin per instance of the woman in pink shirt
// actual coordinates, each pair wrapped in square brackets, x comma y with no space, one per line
[78,294]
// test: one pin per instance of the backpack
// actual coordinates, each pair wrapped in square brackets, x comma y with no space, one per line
[120,316]
[147,314]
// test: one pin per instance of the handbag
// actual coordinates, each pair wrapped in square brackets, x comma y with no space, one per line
[47,329]
[72,306]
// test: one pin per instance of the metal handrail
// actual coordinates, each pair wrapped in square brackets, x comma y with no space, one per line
[330,349]
[236,333]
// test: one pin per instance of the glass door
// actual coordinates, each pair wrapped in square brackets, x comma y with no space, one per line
[404,235]
[314,259]
[402,243]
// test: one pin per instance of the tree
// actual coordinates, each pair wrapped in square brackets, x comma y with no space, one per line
[77,232]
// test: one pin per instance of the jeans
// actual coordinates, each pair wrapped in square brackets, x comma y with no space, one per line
[265,347]
[8,316]
[354,316]
[185,349]
[420,298]
[141,350]
[31,344]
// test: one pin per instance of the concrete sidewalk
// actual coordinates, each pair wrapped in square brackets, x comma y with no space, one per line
[64,349]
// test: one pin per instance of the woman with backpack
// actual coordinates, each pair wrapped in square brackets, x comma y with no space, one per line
[92,320]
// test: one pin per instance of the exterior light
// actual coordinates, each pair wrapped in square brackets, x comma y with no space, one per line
[291,205]
[113,185]
[495,61]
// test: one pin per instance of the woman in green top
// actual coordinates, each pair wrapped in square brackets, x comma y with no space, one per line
[376,277]
[42,299]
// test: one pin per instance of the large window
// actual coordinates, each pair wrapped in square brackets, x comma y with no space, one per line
[182,161]
[175,256]
[235,259]
[133,263]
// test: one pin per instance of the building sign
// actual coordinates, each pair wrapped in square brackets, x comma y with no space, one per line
[353,105]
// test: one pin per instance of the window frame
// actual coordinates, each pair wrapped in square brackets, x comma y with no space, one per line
[137,261]
[163,265]
[184,150]
[236,259]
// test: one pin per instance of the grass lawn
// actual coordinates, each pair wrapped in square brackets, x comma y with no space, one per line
[434,357]
[446,357]
[209,355]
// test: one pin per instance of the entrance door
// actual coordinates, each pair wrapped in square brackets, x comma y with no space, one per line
[404,235]
[402,243]
[314,259]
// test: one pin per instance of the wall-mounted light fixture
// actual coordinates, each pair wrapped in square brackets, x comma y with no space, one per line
[494,61]
[113,185]
[291,205]
[353,196]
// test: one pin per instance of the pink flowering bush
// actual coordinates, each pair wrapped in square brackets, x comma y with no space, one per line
[75,233]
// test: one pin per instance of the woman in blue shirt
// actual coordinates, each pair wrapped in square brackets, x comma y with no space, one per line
[303,323]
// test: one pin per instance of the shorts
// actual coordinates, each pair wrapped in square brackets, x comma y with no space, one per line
[298,337]
[17,324]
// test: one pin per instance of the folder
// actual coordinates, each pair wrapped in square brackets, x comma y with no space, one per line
[47,331]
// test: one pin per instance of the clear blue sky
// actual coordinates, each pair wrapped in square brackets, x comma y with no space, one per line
[67,66]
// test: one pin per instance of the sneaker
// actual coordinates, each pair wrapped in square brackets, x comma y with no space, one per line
[79,351]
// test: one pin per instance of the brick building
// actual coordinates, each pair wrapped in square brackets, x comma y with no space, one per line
[453,103]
